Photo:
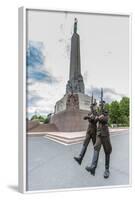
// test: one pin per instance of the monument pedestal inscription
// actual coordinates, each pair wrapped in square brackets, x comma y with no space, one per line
[71,109]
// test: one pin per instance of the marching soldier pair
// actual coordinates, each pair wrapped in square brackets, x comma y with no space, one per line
[98,132]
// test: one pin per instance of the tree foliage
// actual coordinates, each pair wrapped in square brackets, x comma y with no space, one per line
[119,112]
[41,118]
[114,112]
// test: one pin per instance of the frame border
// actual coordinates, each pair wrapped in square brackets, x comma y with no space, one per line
[22,26]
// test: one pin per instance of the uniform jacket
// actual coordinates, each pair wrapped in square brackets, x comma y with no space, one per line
[102,128]
[92,127]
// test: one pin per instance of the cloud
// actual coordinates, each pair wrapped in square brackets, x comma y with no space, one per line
[34,54]
[41,97]
[35,61]
[32,100]
[85,76]
[109,93]
[40,75]
[43,89]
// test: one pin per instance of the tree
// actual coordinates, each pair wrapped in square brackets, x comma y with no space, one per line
[124,106]
[107,107]
[41,118]
[34,117]
[119,112]
[124,111]
[114,112]
[46,120]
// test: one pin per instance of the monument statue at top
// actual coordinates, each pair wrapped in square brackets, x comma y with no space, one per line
[75,83]
[75,25]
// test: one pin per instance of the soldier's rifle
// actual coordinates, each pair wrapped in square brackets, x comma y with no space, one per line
[102,102]
[91,104]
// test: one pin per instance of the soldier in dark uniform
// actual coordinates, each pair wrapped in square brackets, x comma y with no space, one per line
[91,132]
[102,138]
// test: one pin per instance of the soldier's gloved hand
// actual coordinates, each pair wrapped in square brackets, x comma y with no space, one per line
[85,118]
[92,116]
[101,117]
[96,118]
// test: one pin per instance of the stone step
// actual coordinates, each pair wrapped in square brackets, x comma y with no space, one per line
[66,138]
[63,140]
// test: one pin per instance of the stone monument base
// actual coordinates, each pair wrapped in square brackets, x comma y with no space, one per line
[70,121]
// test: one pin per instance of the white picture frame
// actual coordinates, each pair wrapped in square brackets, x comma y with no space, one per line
[22,175]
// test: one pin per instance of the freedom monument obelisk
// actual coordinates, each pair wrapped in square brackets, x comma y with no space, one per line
[70,110]
[75,83]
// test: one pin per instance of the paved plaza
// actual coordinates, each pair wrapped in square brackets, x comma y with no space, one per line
[50,164]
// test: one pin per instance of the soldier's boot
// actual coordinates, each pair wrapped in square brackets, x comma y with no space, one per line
[93,166]
[107,162]
[81,155]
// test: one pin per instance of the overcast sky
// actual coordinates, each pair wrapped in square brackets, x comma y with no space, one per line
[104,46]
